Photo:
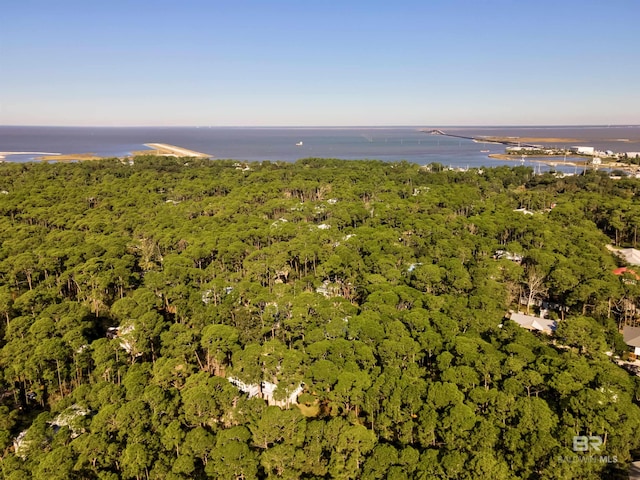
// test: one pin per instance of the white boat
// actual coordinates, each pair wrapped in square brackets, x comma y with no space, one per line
[299,144]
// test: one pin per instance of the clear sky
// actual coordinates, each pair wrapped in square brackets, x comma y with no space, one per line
[322,62]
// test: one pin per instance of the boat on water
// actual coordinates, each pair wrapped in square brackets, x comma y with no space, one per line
[299,144]
[485,151]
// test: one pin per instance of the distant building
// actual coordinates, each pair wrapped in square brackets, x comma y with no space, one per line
[124,333]
[514,257]
[329,289]
[530,322]
[581,150]
[624,270]
[629,255]
[524,210]
[632,154]
[266,391]
[532,148]
[631,337]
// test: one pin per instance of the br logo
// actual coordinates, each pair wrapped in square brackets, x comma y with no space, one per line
[584,443]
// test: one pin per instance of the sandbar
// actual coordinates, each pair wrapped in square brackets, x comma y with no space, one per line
[6,154]
[164,149]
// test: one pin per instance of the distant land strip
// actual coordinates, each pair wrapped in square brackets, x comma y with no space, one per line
[513,141]
[6,154]
[527,140]
[69,157]
[524,141]
[161,149]
[547,159]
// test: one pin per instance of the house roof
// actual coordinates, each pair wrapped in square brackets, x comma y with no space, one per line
[630,255]
[622,270]
[631,336]
[534,323]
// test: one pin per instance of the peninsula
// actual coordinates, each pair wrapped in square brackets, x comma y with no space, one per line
[159,149]
[510,141]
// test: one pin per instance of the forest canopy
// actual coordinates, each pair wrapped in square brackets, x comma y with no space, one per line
[188,318]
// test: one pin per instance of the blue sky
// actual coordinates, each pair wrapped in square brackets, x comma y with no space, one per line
[294,63]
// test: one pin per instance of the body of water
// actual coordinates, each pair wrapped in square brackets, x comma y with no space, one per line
[290,144]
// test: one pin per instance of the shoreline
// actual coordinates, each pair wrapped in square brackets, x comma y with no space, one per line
[167,150]
[548,160]
[4,155]
[538,158]
[529,140]
[159,149]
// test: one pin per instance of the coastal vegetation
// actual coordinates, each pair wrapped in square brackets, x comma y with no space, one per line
[72,157]
[139,299]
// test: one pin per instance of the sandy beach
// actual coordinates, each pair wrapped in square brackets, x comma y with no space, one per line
[170,150]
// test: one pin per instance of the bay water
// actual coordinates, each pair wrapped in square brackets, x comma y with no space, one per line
[413,144]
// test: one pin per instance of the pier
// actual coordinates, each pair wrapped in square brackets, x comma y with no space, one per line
[512,142]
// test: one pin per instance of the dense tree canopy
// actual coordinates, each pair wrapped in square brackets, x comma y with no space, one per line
[130,296]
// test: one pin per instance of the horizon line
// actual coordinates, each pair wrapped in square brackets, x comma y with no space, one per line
[559,125]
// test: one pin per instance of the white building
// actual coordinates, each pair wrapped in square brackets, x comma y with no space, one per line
[534,323]
[524,211]
[266,391]
[632,338]
[514,257]
[580,150]
[629,255]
